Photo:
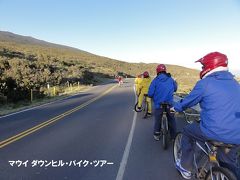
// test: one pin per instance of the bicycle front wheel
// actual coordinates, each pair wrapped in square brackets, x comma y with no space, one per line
[177,150]
[136,108]
[220,173]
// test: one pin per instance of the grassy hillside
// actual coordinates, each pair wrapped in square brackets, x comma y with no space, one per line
[27,63]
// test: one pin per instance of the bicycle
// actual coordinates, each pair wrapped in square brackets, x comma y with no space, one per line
[191,117]
[144,107]
[164,125]
[206,165]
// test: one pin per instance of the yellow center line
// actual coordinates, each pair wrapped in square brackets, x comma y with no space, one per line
[50,121]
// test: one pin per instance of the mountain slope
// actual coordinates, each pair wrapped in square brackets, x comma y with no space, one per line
[19,39]
[29,45]
[32,63]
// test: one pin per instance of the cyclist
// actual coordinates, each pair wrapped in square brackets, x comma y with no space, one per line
[120,80]
[138,80]
[143,89]
[161,90]
[219,96]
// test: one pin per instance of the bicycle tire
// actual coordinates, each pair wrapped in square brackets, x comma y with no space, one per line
[164,133]
[225,174]
[136,109]
[143,105]
[146,110]
[177,152]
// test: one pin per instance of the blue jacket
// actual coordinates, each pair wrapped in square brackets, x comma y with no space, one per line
[161,89]
[219,98]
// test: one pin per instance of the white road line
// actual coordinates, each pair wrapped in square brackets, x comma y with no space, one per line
[123,163]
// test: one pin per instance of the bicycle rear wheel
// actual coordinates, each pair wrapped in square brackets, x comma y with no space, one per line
[164,132]
[177,150]
[220,173]
[145,109]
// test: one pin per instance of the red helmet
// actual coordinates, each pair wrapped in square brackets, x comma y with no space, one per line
[212,61]
[161,68]
[145,74]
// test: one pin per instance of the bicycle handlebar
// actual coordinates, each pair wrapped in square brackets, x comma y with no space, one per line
[191,114]
[195,117]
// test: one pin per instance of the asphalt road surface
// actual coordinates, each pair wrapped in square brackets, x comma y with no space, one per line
[94,135]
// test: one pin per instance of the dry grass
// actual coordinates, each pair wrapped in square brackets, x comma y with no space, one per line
[22,105]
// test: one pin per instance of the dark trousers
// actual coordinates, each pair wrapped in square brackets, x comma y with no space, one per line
[158,120]
[191,133]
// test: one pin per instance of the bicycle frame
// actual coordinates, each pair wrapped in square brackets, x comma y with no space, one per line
[205,163]
[210,161]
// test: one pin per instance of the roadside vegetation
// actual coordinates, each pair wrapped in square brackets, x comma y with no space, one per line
[52,94]
[28,65]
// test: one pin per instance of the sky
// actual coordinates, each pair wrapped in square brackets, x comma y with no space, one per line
[151,31]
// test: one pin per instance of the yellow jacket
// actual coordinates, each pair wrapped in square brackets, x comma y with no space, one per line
[144,85]
[137,83]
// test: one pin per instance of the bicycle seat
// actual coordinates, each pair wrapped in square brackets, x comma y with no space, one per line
[165,104]
[220,144]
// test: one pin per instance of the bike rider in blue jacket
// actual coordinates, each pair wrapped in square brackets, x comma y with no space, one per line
[218,94]
[161,90]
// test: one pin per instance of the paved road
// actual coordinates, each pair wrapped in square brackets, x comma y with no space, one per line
[95,128]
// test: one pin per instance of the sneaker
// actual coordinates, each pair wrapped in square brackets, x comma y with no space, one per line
[185,173]
[149,114]
[157,136]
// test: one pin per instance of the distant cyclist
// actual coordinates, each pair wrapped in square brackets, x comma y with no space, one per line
[161,90]
[143,90]
[120,80]
[219,96]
